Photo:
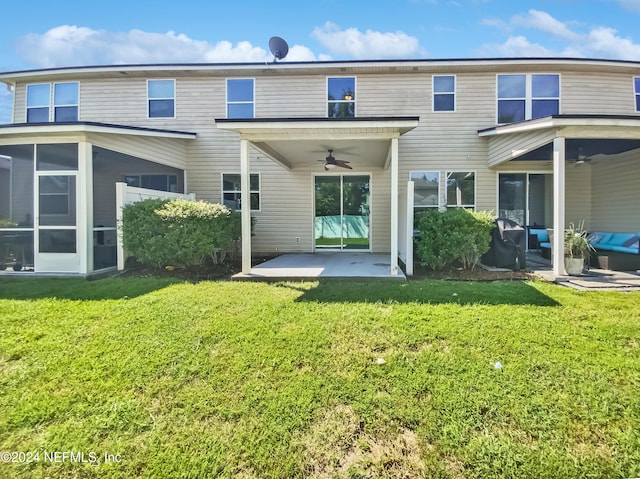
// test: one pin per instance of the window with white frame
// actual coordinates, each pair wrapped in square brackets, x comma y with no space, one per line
[444,93]
[461,189]
[240,98]
[525,97]
[161,98]
[231,196]
[341,97]
[636,87]
[57,102]
[426,190]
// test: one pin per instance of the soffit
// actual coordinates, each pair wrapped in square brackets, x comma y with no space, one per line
[300,143]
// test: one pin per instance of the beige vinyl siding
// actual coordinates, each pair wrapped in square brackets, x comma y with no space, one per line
[614,187]
[578,195]
[507,147]
[291,97]
[20,104]
[166,151]
[597,93]
[447,141]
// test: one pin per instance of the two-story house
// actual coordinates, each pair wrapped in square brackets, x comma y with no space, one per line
[328,155]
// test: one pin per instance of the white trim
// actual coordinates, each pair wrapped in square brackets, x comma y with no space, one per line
[355,94]
[575,127]
[223,191]
[245,171]
[84,128]
[434,93]
[394,206]
[227,102]
[175,103]
[636,94]
[559,192]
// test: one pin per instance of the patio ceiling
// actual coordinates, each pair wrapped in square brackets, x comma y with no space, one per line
[302,143]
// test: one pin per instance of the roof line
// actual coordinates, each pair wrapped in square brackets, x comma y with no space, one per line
[324,63]
[96,124]
[557,117]
[318,119]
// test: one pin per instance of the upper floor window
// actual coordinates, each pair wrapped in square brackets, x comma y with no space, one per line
[161,98]
[341,97]
[636,82]
[240,95]
[41,108]
[444,93]
[525,97]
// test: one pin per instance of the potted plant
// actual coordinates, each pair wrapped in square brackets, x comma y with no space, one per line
[576,249]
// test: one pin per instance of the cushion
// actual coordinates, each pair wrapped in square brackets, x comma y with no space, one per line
[540,233]
[631,242]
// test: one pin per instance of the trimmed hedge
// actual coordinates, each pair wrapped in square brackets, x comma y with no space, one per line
[454,235]
[179,232]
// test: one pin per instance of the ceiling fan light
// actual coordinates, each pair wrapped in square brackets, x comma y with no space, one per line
[329,166]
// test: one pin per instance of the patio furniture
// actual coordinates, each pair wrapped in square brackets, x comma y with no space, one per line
[507,247]
[616,251]
[539,239]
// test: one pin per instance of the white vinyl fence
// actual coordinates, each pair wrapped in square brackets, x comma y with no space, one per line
[130,194]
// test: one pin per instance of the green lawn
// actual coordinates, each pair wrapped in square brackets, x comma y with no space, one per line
[283,380]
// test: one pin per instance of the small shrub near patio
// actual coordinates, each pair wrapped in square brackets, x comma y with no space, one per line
[453,236]
[179,232]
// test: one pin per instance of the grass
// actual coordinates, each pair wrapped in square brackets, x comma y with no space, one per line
[319,379]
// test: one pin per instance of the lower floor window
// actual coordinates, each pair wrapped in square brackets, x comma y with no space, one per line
[231,191]
[153,182]
[461,189]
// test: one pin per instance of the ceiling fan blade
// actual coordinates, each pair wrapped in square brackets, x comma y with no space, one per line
[343,164]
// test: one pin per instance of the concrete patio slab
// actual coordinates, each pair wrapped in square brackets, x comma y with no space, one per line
[324,265]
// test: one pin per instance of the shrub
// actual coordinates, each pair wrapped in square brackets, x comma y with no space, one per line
[453,235]
[178,232]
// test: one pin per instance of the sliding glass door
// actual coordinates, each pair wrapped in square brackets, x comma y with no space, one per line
[342,209]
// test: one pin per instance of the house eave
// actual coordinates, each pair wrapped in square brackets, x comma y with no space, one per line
[61,128]
[559,122]
[369,127]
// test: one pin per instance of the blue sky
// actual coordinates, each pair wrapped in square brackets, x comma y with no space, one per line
[39,34]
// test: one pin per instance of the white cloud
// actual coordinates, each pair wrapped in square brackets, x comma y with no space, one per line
[598,42]
[633,5]
[517,46]
[544,22]
[355,44]
[68,45]
[604,42]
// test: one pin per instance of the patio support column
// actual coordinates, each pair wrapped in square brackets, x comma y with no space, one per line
[394,206]
[245,206]
[557,252]
[85,210]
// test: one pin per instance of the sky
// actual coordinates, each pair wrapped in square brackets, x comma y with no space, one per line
[45,34]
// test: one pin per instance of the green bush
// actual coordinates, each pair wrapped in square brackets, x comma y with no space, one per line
[454,235]
[179,232]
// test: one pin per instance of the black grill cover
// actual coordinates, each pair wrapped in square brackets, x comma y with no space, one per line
[507,247]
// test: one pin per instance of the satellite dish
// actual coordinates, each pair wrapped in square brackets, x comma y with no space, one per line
[278,47]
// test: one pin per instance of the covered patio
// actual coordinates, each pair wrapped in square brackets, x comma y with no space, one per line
[297,144]
[595,166]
